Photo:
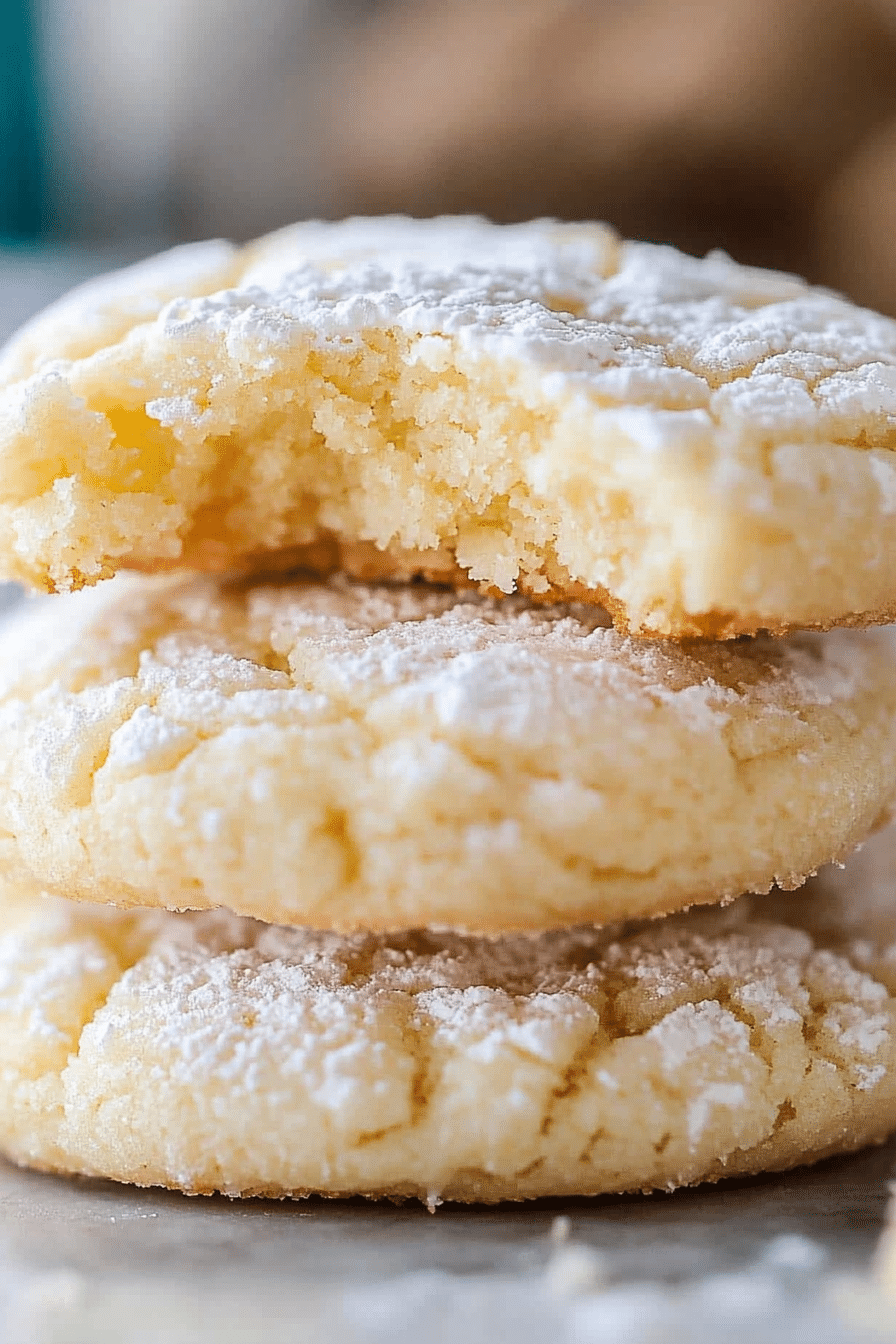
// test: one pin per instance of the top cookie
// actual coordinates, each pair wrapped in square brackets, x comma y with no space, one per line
[702,447]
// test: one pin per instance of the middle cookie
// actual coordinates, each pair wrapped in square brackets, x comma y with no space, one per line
[348,757]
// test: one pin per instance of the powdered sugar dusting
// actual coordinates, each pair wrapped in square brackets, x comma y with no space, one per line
[574,299]
[348,755]
[537,408]
[194,1049]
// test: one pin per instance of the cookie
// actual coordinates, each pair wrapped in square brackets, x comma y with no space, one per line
[704,448]
[210,1053]
[353,757]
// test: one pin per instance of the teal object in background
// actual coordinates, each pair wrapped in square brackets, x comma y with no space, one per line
[21,185]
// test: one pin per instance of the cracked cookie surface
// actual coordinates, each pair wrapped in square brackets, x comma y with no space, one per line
[208,1052]
[704,448]
[347,756]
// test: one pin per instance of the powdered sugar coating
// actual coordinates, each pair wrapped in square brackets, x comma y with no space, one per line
[346,756]
[704,447]
[209,1052]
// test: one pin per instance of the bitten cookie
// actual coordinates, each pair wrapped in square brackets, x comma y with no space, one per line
[210,1053]
[701,447]
[351,757]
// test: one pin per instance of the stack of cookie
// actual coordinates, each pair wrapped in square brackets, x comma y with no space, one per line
[330,868]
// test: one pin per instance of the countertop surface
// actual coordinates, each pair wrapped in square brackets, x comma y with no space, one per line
[784,1257]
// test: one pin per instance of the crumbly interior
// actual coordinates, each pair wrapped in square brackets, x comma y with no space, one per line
[344,756]
[211,1053]
[701,447]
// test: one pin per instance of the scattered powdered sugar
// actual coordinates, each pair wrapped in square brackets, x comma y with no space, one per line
[783,1293]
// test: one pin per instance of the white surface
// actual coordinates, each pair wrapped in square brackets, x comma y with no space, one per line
[783,1258]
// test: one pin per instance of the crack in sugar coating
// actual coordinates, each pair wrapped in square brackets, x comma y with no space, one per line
[210,1052]
[702,447]
[345,756]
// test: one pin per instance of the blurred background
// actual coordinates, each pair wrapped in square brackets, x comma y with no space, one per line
[767,127]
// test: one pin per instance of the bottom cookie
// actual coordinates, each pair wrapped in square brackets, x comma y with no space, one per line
[210,1053]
